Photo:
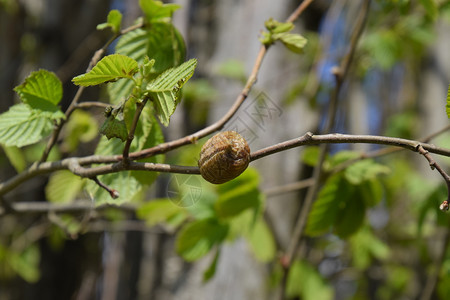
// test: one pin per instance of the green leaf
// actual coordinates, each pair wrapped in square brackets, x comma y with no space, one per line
[343,156]
[209,273]
[16,158]
[26,263]
[310,155]
[156,10]
[166,87]
[292,41]
[80,128]
[109,68]
[365,246]
[114,128]
[371,192]
[431,7]
[351,217]
[238,195]
[173,79]
[261,241]
[447,106]
[63,187]
[42,90]
[325,209]
[197,238]
[161,42]
[278,27]
[305,282]
[159,211]
[114,21]
[364,170]
[21,126]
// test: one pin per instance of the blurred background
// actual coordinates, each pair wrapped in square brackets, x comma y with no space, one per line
[397,86]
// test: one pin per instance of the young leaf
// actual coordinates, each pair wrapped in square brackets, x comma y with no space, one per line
[351,217]
[159,211]
[165,89]
[156,10]
[16,158]
[261,241]
[21,126]
[63,187]
[174,78]
[197,238]
[114,128]
[238,195]
[164,105]
[80,128]
[161,42]
[326,208]
[364,170]
[278,27]
[305,281]
[365,246]
[42,90]
[109,68]
[114,20]
[209,273]
[292,41]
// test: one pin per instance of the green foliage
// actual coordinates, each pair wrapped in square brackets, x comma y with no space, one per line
[209,273]
[28,123]
[304,281]
[108,69]
[25,263]
[114,128]
[414,28]
[156,11]
[113,21]
[280,32]
[365,247]
[343,200]
[130,184]
[42,91]
[63,187]
[21,125]
[197,238]
[162,211]
[261,241]
[80,128]
[16,158]
[165,89]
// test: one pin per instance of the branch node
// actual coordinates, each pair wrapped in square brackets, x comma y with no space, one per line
[444,205]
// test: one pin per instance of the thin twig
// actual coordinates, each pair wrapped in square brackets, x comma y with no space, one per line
[112,192]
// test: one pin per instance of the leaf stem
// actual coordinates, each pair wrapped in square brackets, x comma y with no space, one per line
[139,107]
